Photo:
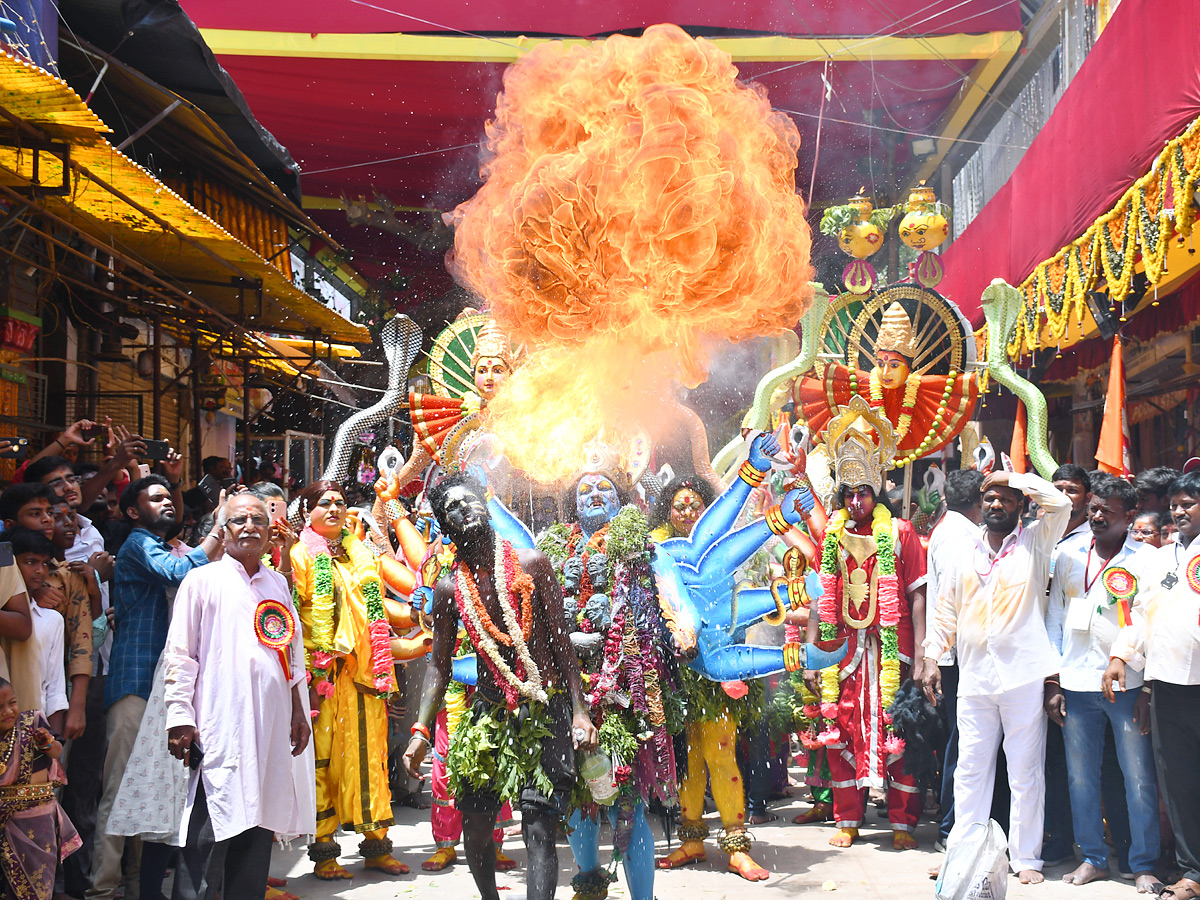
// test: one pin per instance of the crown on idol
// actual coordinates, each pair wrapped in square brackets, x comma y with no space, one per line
[862,443]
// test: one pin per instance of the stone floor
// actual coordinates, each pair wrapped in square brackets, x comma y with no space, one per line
[799,858]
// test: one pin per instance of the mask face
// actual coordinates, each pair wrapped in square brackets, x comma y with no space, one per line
[596,500]
[464,513]
[490,372]
[893,369]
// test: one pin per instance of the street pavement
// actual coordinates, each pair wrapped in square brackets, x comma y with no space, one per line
[799,857]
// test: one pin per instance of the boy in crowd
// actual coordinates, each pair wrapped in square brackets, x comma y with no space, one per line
[34,555]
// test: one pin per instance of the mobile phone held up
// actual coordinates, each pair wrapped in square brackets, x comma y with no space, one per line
[18,448]
[157,450]
[95,431]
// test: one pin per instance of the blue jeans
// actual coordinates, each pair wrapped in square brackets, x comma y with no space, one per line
[1083,735]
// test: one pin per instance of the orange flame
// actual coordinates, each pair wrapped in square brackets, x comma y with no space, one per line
[638,199]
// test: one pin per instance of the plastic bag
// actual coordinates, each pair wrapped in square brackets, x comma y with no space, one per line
[976,865]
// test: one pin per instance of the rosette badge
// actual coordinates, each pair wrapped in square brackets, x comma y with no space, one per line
[275,627]
[1121,585]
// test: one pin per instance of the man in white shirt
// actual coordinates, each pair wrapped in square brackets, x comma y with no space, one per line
[954,536]
[1059,841]
[993,609]
[1166,631]
[234,666]
[1091,598]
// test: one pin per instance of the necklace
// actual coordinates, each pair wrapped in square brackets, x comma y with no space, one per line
[6,746]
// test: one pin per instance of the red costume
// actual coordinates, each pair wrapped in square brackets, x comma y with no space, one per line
[859,759]
[818,396]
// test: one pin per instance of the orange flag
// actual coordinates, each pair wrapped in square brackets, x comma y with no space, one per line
[1112,455]
[1017,450]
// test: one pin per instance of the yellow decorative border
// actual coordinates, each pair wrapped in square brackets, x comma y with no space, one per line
[1137,227]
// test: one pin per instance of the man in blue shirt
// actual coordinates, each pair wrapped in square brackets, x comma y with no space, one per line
[144,569]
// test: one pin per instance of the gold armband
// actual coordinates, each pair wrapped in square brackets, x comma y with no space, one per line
[776,522]
[751,475]
[793,659]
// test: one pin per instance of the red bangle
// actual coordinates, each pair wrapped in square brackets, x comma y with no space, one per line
[420,729]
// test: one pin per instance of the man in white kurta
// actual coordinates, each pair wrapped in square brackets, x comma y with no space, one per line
[230,694]
[993,609]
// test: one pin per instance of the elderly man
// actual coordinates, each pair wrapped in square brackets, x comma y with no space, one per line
[235,712]
[144,569]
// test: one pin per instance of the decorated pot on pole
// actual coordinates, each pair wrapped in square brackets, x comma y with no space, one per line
[860,230]
[925,226]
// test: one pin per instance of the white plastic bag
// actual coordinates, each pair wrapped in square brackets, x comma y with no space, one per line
[976,865]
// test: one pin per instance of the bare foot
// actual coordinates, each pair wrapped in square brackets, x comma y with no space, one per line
[935,871]
[330,870]
[442,857]
[387,864]
[902,840]
[1147,883]
[1031,876]
[843,837]
[504,863]
[1084,874]
[740,863]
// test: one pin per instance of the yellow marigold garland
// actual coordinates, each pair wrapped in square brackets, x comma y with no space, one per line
[1137,227]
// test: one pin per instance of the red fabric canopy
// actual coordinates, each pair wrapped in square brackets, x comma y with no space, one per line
[1137,89]
[411,129]
[584,19]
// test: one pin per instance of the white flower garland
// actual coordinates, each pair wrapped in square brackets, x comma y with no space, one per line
[531,688]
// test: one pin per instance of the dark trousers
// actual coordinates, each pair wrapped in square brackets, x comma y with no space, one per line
[1001,796]
[1175,728]
[1060,832]
[85,783]
[755,763]
[237,867]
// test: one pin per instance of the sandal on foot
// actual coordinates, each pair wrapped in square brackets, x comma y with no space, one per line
[683,857]
[1183,889]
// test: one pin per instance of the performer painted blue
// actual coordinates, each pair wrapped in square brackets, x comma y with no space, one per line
[674,601]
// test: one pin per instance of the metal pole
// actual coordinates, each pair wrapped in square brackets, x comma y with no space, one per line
[245,412]
[908,477]
[197,472]
[157,403]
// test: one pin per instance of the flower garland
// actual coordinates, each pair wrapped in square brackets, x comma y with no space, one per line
[912,386]
[936,426]
[888,598]
[515,589]
[322,602]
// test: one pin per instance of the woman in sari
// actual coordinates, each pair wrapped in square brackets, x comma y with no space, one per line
[347,645]
[35,834]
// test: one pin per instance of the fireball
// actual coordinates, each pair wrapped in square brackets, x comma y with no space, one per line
[638,200]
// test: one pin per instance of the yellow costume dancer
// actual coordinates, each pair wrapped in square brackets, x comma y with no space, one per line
[713,718]
[347,643]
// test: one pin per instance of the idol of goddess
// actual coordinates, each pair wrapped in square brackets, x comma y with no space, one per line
[926,411]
